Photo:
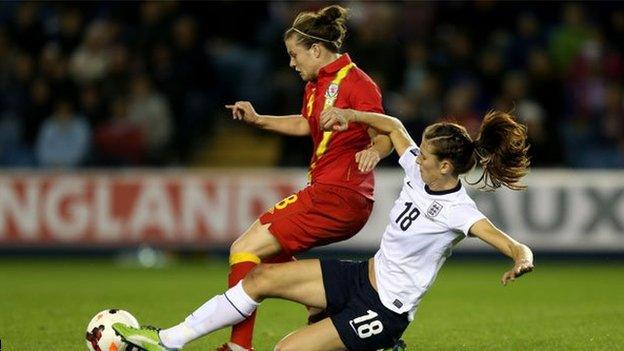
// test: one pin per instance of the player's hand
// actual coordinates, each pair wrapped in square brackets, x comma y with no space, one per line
[244,111]
[367,159]
[521,267]
[335,119]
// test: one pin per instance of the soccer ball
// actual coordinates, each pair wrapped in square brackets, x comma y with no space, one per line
[100,334]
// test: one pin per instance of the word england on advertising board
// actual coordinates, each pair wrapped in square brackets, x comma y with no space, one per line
[120,209]
[560,211]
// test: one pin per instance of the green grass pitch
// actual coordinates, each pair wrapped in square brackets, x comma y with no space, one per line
[572,305]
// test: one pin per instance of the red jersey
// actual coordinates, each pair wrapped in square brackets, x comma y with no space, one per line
[340,84]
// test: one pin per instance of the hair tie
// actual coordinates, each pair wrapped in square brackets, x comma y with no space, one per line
[314,37]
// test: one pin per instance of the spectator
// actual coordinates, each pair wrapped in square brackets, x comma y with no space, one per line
[545,85]
[491,69]
[70,29]
[63,141]
[17,76]
[191,96]
[528,35]
[12,150]
[90,62]
[431,60]
[38,108]
[92,105]
[515,97]
[151,112]
[27,29]
[416,66]
[55,69]
[120,69]
[9,58]
[568,38]
[460,107]
[119,141]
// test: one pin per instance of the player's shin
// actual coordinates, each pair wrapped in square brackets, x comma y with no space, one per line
[240,265]
[221,311]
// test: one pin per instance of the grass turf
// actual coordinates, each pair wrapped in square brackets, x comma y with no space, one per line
[573,305]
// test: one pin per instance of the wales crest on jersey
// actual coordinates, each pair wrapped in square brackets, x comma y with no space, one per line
[331,94]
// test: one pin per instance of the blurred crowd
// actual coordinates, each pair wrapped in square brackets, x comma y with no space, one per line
[144,83]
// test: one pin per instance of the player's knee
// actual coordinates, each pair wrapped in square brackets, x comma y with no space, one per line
[286,344]
[294,341]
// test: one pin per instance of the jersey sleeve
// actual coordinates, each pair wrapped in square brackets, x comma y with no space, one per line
[366,96]
[408,162]
[464,215]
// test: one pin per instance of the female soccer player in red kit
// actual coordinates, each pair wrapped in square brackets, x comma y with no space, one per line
[339,198]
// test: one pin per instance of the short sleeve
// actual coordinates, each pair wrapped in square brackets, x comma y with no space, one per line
[408,162]
[463,216]
[366,96]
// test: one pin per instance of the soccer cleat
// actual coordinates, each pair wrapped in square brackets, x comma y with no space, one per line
[228,346]
[145,338]
[400,346]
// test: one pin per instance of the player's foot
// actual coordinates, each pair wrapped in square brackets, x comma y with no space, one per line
[400,346]
[230,346]
[145,338]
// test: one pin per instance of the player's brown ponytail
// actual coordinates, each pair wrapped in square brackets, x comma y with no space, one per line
[326,27]
[500,149]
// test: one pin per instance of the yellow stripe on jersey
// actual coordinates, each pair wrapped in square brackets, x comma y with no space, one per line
[310,104]
[339,77]
[320,150]
[243,257]
[329,102]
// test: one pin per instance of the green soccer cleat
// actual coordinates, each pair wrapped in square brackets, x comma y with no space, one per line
[145,338]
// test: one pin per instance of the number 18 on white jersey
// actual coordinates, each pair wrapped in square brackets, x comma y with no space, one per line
[423,227]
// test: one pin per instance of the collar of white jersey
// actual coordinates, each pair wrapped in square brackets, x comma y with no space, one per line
[444,192]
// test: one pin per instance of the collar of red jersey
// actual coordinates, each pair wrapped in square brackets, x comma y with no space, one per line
[335,66]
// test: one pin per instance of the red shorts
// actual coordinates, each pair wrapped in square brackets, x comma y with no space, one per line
[317,215]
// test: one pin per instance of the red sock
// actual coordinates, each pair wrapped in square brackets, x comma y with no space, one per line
[242,333]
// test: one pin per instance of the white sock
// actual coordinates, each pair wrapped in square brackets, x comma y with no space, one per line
[175,337]
[233,307]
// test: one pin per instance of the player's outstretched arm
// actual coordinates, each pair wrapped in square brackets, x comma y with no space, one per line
[520,253]
[338,120]
[289,125]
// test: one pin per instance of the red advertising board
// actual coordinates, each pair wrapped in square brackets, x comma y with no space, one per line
[173,209]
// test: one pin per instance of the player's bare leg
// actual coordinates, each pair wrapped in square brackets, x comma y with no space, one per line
[298,281]
[257,239]
[321,336]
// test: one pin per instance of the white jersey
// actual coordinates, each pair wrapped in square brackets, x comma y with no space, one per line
[424,226]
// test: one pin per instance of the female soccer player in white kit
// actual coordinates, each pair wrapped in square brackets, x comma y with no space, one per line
[371,303]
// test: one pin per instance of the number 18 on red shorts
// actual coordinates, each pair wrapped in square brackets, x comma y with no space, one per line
[317,215]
